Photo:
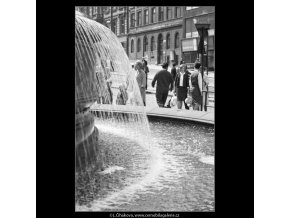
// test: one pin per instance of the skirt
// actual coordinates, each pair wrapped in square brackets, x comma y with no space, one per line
[181,93]
[196,95]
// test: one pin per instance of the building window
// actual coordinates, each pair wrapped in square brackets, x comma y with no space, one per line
[138,45]
[153,15]
[152,43]
[176,42]
[168,41]
[190,8]
[122,25]
[133,20]
[188,28]
[161,13]
[90,11]
[139,18]
[169,13]
[146,17]
[114,26]
[132,46]
[211,59]
[177,12]
[145,44]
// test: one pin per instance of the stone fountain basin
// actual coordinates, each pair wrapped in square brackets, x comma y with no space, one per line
[84,124]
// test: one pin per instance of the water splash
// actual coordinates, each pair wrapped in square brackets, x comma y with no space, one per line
[111,169]
[134,185]
[207,159]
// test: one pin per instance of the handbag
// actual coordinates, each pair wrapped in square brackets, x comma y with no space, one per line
[189,99]
[173,101]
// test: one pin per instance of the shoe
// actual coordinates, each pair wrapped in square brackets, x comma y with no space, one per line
[168,106]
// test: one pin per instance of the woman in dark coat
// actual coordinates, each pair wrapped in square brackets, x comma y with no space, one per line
[196,87]
[181,85]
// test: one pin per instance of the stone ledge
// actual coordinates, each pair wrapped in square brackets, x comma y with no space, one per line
[196,116]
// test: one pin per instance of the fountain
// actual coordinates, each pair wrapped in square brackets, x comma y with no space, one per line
[118,160]
[95,46]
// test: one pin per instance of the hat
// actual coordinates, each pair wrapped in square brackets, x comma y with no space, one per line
[139,63]
[183,65]
[164,65]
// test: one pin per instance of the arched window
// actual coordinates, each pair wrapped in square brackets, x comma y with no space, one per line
[176,43]
[145,48]
[168,41]
[138,45]
[132,46]
[153,15]
[152,43]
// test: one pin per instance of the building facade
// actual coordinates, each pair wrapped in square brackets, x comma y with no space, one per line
[155,32]
[190,36]
[116,18]
[159,33]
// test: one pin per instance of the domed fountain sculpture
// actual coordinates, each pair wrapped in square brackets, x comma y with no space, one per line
[97,52]
[88,89]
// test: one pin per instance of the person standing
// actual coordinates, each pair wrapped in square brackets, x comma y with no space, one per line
[164,84]
[141,80]
[146,69]
[196,87]
[173,71]
[181,86]
[188,74]
[173,74]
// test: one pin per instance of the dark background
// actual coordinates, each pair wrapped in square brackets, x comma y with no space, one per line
[234,132]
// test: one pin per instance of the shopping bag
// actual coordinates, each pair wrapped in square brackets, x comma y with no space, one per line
[188,101]
[173,101]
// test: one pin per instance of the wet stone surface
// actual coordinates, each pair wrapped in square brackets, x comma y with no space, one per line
[167,175]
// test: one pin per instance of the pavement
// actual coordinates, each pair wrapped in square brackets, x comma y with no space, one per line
[204,117]
[152,109]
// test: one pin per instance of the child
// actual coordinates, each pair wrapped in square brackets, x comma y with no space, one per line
[122,96]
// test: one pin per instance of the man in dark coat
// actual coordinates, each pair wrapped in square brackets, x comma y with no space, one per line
[164,83]
[173,71]
[173,74]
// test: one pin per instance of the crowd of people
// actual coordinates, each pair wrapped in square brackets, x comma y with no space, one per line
[142,70]
[185,86]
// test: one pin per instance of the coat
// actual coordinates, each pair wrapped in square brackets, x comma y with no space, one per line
[141,80]
[181,91]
